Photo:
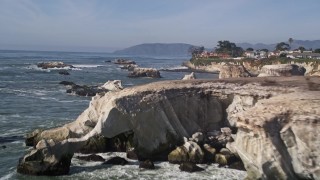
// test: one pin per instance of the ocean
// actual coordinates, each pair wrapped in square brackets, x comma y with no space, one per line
[32,98]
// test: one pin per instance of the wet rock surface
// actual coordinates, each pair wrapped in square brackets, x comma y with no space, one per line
[91,157]
[124,61]
[116,161]
[64,72]
[85,90]
[190,167]
[144,72]
[147,164]
[43,162]
[47,65]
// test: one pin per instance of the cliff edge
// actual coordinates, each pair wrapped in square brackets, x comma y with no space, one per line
[277,120]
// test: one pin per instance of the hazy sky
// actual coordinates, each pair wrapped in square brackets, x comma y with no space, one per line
[105,25]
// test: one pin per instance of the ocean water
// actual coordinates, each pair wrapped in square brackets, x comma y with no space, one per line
[32,98]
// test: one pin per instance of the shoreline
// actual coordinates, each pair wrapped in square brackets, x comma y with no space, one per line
[205,69]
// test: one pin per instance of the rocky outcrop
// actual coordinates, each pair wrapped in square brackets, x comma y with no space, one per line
[129,67]
[116,161]
[189,76]
[189,152]
[190,167]
[275,137]
[123,61]
[46,159]
[147,164]
[47,65]
[233,71]
[144,72]
[91,157]
[211,68]
[114,85]
[278,139]
[282,70]
[64,72]
[254,67]
[84,90]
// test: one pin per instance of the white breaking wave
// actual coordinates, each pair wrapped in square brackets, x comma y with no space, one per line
[175,68]
[35,67]
[164,170]
[8,176]
[87,65]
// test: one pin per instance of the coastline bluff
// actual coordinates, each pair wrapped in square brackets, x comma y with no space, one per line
[277,121]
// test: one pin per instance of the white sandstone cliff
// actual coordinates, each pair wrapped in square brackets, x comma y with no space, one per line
[270,114]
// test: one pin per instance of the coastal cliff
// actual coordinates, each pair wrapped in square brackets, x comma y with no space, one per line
[266,111]
[230,68]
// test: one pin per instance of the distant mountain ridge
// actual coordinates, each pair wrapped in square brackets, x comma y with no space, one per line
[314,44]
[156,49]
[181,49]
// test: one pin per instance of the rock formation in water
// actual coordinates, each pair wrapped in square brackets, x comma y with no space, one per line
[124,61]
[47,65]
[277,119]
[144,72]
[84,90]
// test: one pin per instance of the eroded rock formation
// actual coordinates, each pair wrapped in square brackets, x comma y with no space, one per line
[47,65]
[233,71]
[144,72]
[282,70]
[277,120]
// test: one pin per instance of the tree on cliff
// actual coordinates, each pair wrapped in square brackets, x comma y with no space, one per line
[250,49]
[196,51]
[316,51]
[229,48]
[282,46]
[301,48]
[290,40]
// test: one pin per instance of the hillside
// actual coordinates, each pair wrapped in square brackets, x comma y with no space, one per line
[314,44]
[156,49]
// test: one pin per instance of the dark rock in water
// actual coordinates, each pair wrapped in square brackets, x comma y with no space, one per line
[32,138]
[91,157]
[144,72]
[124,61]
[85,90]
[117,161]
[46,65]
[35,165]
[147,164]
[3,147]
[67,83]
[131,154]
[64,72]
[189,167]
[107,61]
[8,139]
[237,165]
[129,67]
